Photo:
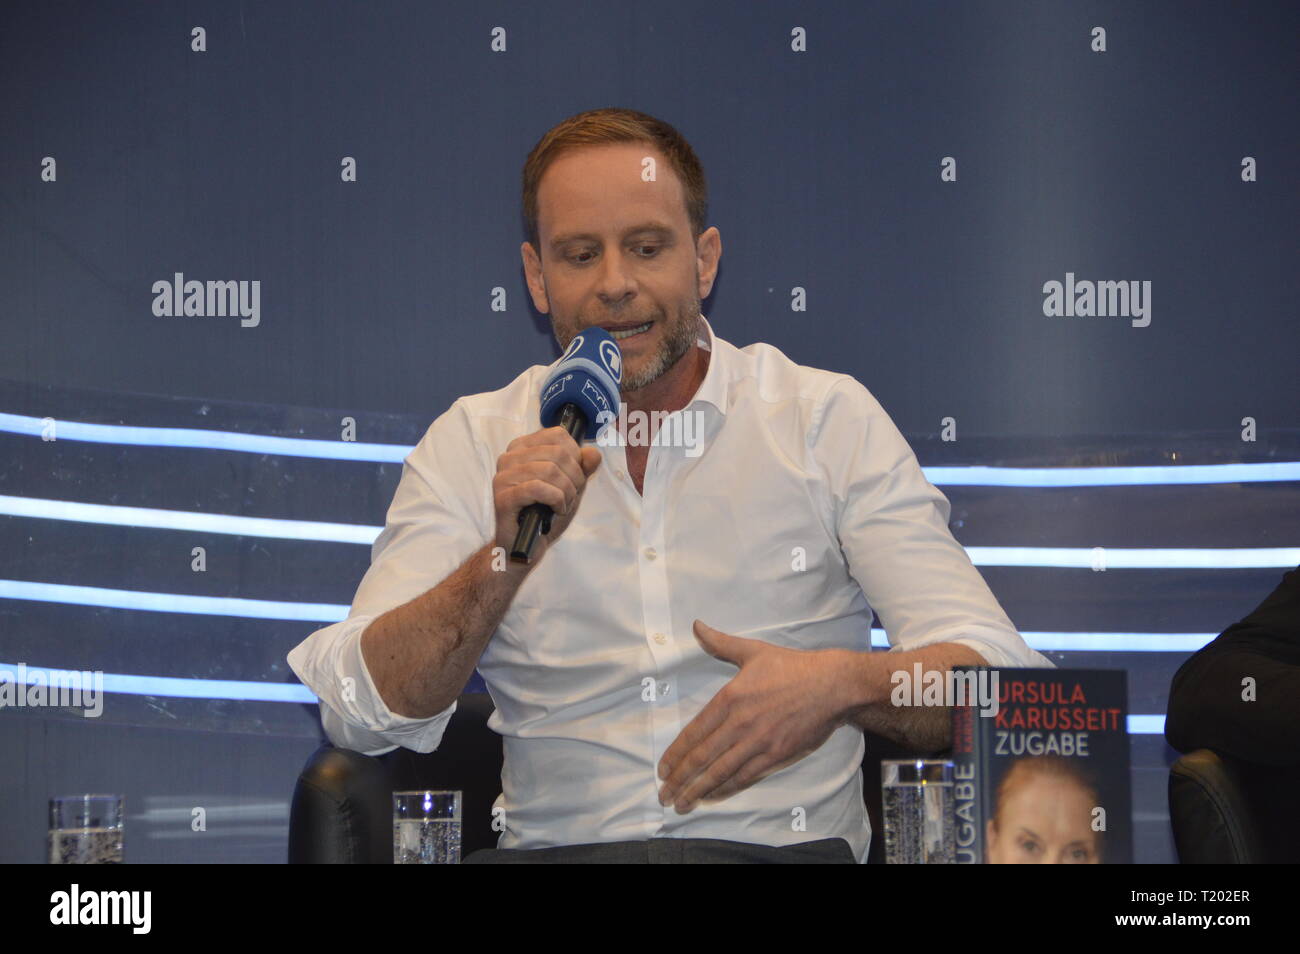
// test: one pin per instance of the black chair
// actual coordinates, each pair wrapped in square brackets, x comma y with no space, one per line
[342,813]
[342,808]
[1227,811]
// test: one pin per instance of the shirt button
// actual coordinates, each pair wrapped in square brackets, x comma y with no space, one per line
[619,474]
[660,638]
[650,553]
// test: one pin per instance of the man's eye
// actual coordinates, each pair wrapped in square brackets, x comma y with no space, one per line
[645,251]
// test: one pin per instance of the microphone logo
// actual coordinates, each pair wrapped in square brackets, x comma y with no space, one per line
[555,387]
[574,345]
[596,398]
[612,359]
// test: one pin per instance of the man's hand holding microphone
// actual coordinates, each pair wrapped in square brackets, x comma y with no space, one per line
[421,654]
[547,466]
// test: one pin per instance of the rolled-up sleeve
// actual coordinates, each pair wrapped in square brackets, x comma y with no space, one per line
[437,519]
[892,525]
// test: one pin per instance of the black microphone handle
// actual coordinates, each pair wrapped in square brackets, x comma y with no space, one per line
[536,517]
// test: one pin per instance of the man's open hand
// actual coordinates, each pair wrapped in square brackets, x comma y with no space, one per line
[782,705]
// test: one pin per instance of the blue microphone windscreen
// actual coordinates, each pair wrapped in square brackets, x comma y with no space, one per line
[588,375]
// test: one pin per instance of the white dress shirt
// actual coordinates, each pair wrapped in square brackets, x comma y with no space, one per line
[800,508]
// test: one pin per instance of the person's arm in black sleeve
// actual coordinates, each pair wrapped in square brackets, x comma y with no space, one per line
[1209,702]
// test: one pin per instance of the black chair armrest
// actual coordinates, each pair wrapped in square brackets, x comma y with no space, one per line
[341,811]
[1210,813]
[342,808]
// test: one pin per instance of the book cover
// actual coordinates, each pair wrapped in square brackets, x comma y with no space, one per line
[1042,775]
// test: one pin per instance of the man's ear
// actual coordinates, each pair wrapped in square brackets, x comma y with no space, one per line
[708,252]
[534,277]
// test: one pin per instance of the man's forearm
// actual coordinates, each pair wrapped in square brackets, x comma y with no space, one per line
[868,683]
[421,654]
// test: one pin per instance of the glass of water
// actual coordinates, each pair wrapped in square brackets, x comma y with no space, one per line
[426,828]
[85,830]
[917,797]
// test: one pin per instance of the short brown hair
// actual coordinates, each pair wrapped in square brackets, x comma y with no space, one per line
[614,125]
[1050,766]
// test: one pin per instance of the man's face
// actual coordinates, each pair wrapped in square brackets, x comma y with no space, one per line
[617,252]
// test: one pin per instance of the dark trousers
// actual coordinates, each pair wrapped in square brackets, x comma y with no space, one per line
[672,851]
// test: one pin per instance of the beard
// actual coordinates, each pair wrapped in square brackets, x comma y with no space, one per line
[676,336]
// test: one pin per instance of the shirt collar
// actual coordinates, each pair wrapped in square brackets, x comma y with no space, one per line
[713,389]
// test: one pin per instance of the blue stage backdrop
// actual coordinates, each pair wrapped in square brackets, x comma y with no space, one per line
[897,185]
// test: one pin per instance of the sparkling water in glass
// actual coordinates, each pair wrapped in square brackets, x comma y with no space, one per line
[917,796]
[426,828]
[85,830]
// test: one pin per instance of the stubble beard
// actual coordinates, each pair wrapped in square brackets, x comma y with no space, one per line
[676,339]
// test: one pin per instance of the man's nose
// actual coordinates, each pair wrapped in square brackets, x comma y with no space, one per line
[614,281]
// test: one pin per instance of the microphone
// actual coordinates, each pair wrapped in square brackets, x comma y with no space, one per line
[582,385]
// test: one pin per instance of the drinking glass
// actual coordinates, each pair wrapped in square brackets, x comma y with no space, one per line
[426,828]
[917,797]
[85,830]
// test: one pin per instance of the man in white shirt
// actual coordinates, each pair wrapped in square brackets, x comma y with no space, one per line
[687,656]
